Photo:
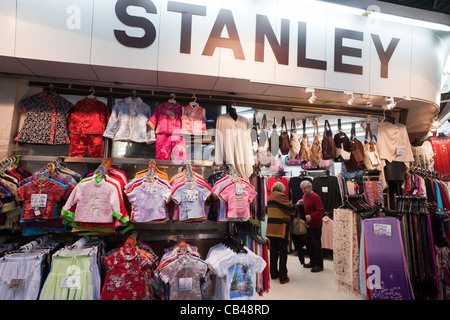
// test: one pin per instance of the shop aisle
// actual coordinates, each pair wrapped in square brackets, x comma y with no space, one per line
[306,285]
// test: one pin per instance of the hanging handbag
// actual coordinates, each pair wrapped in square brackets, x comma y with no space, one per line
[356,161]
[371,154]
[294,142]
[316,147]
[254,135]
[264,143]
[328,146]
[284,137]
[342,144]
[274,147]
[305,148]
[298,226]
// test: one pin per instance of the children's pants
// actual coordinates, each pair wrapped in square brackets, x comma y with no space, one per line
[79,143]
[170,147]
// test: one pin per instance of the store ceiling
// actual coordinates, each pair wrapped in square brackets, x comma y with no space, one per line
[442,6]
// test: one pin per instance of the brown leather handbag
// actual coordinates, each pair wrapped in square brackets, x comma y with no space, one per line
[356,161]
[284,138]
[328,146]
[305,148]
[316,147]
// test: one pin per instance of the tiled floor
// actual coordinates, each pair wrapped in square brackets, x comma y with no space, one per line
[306,285]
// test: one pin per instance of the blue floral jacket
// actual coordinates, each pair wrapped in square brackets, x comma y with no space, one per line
[128,122]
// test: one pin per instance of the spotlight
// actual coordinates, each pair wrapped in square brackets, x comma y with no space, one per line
[352,98]
[369,103]
[391,104]
[313,97]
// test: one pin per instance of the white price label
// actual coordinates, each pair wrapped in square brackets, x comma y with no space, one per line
[38,200]
[191,195]
[185,284]
[240,189]
[71,282]
[401,150]
[16,284]
[325,189]
[150,188]
[382,229]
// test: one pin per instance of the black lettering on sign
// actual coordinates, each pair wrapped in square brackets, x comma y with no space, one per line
[385,56]
[224,19]
[340,50]
[302,60]
[280,49]
[139,22]
[186,10]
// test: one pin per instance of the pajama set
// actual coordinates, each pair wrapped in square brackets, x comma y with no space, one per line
[166,121]
[87,122]
[45,121]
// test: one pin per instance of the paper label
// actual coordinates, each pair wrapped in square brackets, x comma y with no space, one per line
[240,189]
[38,200]
[191,195]
[325,189]
[382,229]
[185,284]
[16,284]
[400,150]
[150,188]
[71,282]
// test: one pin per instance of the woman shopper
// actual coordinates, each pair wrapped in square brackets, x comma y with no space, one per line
[279,212]
[314,211]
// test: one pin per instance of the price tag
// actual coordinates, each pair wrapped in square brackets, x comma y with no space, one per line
[16,284]
[71,282]
[400,150]
[150,188]
[382,229]
[185,284]
[38,200]
[240,189]
[191,195]
[325,189]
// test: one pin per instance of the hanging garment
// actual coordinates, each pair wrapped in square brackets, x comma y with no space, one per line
[193,119]
[128,274]
[74,275]
[45,119]
[233,144]
[327,187]
[383,265]
[441,148]
[128,122]
[183,272]
[272,180]
[424,155]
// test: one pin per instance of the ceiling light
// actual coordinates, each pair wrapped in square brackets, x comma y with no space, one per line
[391,104]
[313,97]
[369,103]
[352,98]
[407,21]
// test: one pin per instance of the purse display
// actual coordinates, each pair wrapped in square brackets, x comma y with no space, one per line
[284,137]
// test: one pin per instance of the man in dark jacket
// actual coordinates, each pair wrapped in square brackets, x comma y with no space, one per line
[314,211]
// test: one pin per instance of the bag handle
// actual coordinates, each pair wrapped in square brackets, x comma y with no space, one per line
[368,132]
[274,125]
[293,126]
[254,121]
[327,131]
[304,126]
[264,122]
[283,123]
[353,131]
[339,125]
[316,127]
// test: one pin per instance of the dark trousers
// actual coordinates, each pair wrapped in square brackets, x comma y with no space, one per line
[278,258]
[299,242]
[314,246]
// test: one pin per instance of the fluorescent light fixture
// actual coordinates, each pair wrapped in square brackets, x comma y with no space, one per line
[408,21]
[374,14]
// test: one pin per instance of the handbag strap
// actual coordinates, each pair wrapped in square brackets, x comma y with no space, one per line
[327,130]
[316,127]
[274,125]
[293,126]
[304,126]
[254,121]
[264,122]
[283,123]
[368,132]
[353,132]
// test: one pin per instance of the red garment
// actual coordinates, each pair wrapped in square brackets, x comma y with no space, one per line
[271,181]
[127,275]
[314,207]
[80,142]
[54,192]
[88,116]
[441,148]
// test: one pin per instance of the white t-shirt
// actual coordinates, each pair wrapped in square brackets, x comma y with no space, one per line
[239,270]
